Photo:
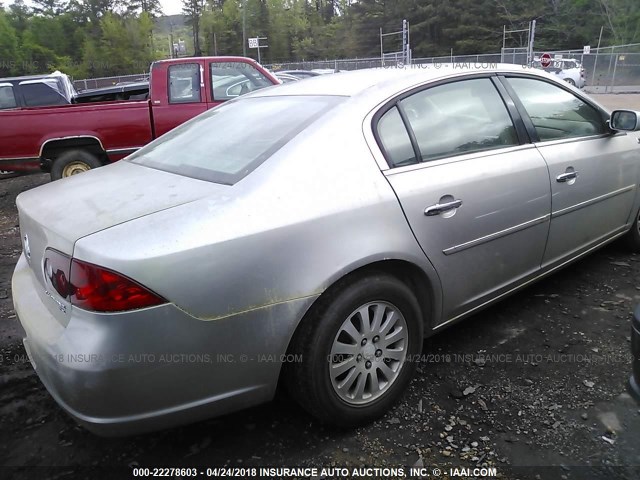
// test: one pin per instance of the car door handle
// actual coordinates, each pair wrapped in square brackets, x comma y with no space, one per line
[565,177]
[439,208]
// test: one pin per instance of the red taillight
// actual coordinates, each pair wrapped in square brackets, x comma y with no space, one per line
[101,290]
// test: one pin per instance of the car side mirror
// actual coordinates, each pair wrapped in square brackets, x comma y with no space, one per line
[626,120]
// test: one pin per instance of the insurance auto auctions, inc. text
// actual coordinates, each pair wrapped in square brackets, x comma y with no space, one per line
[353,472]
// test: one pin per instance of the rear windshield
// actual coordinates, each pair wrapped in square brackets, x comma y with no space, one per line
[225,144]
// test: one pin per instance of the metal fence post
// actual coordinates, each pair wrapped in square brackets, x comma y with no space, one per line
[595,63]
[613,78]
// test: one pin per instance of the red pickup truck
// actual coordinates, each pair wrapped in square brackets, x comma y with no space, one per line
[70,139]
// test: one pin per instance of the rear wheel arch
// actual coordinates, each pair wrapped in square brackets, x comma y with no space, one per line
[88,147]
[53,148]
[410,274]
[394,283]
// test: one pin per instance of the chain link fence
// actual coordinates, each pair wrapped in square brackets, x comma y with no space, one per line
[613,69]
[607,69]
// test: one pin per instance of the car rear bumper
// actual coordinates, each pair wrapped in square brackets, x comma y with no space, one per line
[154,368]
[634,382]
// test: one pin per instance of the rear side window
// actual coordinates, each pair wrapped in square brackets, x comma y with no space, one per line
[184,83]
[41,94]
[7,98]
[457,118]
[556,113]
[227,143]
[232,79]
[395,139]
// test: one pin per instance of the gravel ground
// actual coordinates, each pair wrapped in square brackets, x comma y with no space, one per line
[534,386]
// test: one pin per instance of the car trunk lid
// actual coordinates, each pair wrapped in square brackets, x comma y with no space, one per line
[56,215]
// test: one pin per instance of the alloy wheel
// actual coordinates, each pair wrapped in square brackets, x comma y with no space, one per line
[368,352]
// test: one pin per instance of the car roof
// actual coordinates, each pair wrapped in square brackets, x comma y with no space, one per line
[300,72]
[47,76]
[387,80]
[197,59]
[287,75]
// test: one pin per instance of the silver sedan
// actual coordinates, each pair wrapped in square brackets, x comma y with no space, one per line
[311,235]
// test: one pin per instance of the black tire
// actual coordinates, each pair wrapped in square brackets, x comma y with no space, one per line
[64,165]
[309,381]
[632,238]
[570,81]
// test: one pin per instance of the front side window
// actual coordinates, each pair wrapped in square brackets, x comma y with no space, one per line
[184,83]
[227,143]
[232,79]
[7,98]
[556,113]
[457,118]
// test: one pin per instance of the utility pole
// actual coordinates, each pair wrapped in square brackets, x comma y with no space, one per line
[244,28]
[532,36]
[381,50]
[171,49]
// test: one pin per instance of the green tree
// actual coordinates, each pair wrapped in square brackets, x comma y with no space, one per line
[19,15]
[151,7]
[49,8]
[622,18]
[194,9]
[9,59]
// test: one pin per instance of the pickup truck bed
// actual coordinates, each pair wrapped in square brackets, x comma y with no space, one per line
[124,127]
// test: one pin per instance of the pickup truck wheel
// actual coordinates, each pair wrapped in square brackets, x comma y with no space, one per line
[72,163]
[357,350]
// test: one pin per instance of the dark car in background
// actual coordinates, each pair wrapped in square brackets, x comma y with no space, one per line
[57,89]
[36,91]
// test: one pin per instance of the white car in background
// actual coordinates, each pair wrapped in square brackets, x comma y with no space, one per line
[568,69]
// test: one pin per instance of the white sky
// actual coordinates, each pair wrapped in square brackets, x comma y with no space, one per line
[169,7]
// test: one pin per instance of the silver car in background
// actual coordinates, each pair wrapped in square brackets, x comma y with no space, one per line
[568,69]
[312,235]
